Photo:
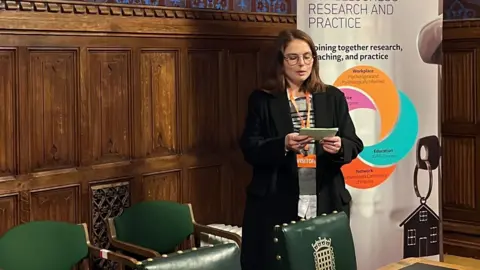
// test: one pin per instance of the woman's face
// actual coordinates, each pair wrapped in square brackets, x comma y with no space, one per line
[298,61]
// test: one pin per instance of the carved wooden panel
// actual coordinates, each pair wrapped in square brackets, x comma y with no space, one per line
[460,107]
[9,216]
[159,115]
[103,105]
[203,116]
[459,187]
[52,90]
[106,106]
[107,199]
[204,189]
[61,203]
[265,61]
[25,206]
[7,112]
[458,103]
[162,186]
[243,79]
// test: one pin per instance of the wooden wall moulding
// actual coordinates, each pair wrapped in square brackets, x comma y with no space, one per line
[105,105]
[460,129]
[461,29]
[96,18]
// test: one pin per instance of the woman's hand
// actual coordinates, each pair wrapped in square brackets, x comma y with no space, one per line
[332,144]
[295,142]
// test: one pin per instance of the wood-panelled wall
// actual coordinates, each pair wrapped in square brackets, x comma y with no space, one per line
[460,128]
[105,105]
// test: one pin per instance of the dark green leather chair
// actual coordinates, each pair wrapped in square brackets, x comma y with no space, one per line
[51,245]
[151,228]
[324,242]
[218,257]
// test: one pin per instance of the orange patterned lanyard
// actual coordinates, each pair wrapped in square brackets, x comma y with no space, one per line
[303,123]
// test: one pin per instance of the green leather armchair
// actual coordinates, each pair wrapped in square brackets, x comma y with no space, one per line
[51,245]
[324,242]
[151,228]
[218,257]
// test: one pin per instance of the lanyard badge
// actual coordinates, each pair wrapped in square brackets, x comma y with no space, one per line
[304,161]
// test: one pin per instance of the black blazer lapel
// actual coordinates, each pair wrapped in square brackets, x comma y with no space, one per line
[280,111]
[323,110]
[323,107]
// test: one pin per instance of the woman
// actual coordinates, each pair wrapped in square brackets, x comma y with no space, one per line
[281,191]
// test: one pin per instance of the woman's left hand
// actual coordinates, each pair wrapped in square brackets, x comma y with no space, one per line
[332,144]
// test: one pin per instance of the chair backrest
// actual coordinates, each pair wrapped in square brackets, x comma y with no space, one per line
[157,225]
[43,245]
[218,257]
[315,243]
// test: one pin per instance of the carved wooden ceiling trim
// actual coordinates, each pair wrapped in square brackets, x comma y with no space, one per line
[108,9]
[53,17]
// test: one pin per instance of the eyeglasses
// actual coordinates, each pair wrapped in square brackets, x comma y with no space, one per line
[292,59]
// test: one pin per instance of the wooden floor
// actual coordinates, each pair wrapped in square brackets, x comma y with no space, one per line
[462,261]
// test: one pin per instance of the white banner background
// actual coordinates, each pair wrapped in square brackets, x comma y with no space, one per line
[378,211]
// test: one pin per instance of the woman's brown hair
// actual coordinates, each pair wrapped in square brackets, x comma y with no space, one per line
[275,80]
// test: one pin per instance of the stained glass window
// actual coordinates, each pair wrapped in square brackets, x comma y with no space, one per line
[272,6]
[175,3]
[210,4]
[242,5]
[152,2]
[461,9]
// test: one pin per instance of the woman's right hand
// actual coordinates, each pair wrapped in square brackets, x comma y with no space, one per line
[295,142]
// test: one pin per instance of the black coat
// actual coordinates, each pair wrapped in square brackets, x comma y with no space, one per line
[273,194]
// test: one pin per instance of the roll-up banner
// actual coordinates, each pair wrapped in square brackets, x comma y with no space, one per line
[385,57]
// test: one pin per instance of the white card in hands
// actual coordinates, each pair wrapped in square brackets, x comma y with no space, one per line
[319,133]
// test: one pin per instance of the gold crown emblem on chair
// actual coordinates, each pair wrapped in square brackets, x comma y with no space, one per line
[323,254]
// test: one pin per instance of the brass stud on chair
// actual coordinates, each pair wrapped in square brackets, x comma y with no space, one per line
[179,252]
[335,212]
[285,224]
[275,240]
[277,226]
[194,248]
[139,263]
[302,219]
[279,257]
[149,259]
[324,214]
[164,256]
[293,222]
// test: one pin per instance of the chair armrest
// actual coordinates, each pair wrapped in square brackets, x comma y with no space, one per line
[112,256]
[134,249]
[198,228]
[124,246]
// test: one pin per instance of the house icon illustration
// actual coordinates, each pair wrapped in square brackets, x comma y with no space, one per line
[421,233]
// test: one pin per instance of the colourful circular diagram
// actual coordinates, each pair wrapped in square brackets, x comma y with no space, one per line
[366,87]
